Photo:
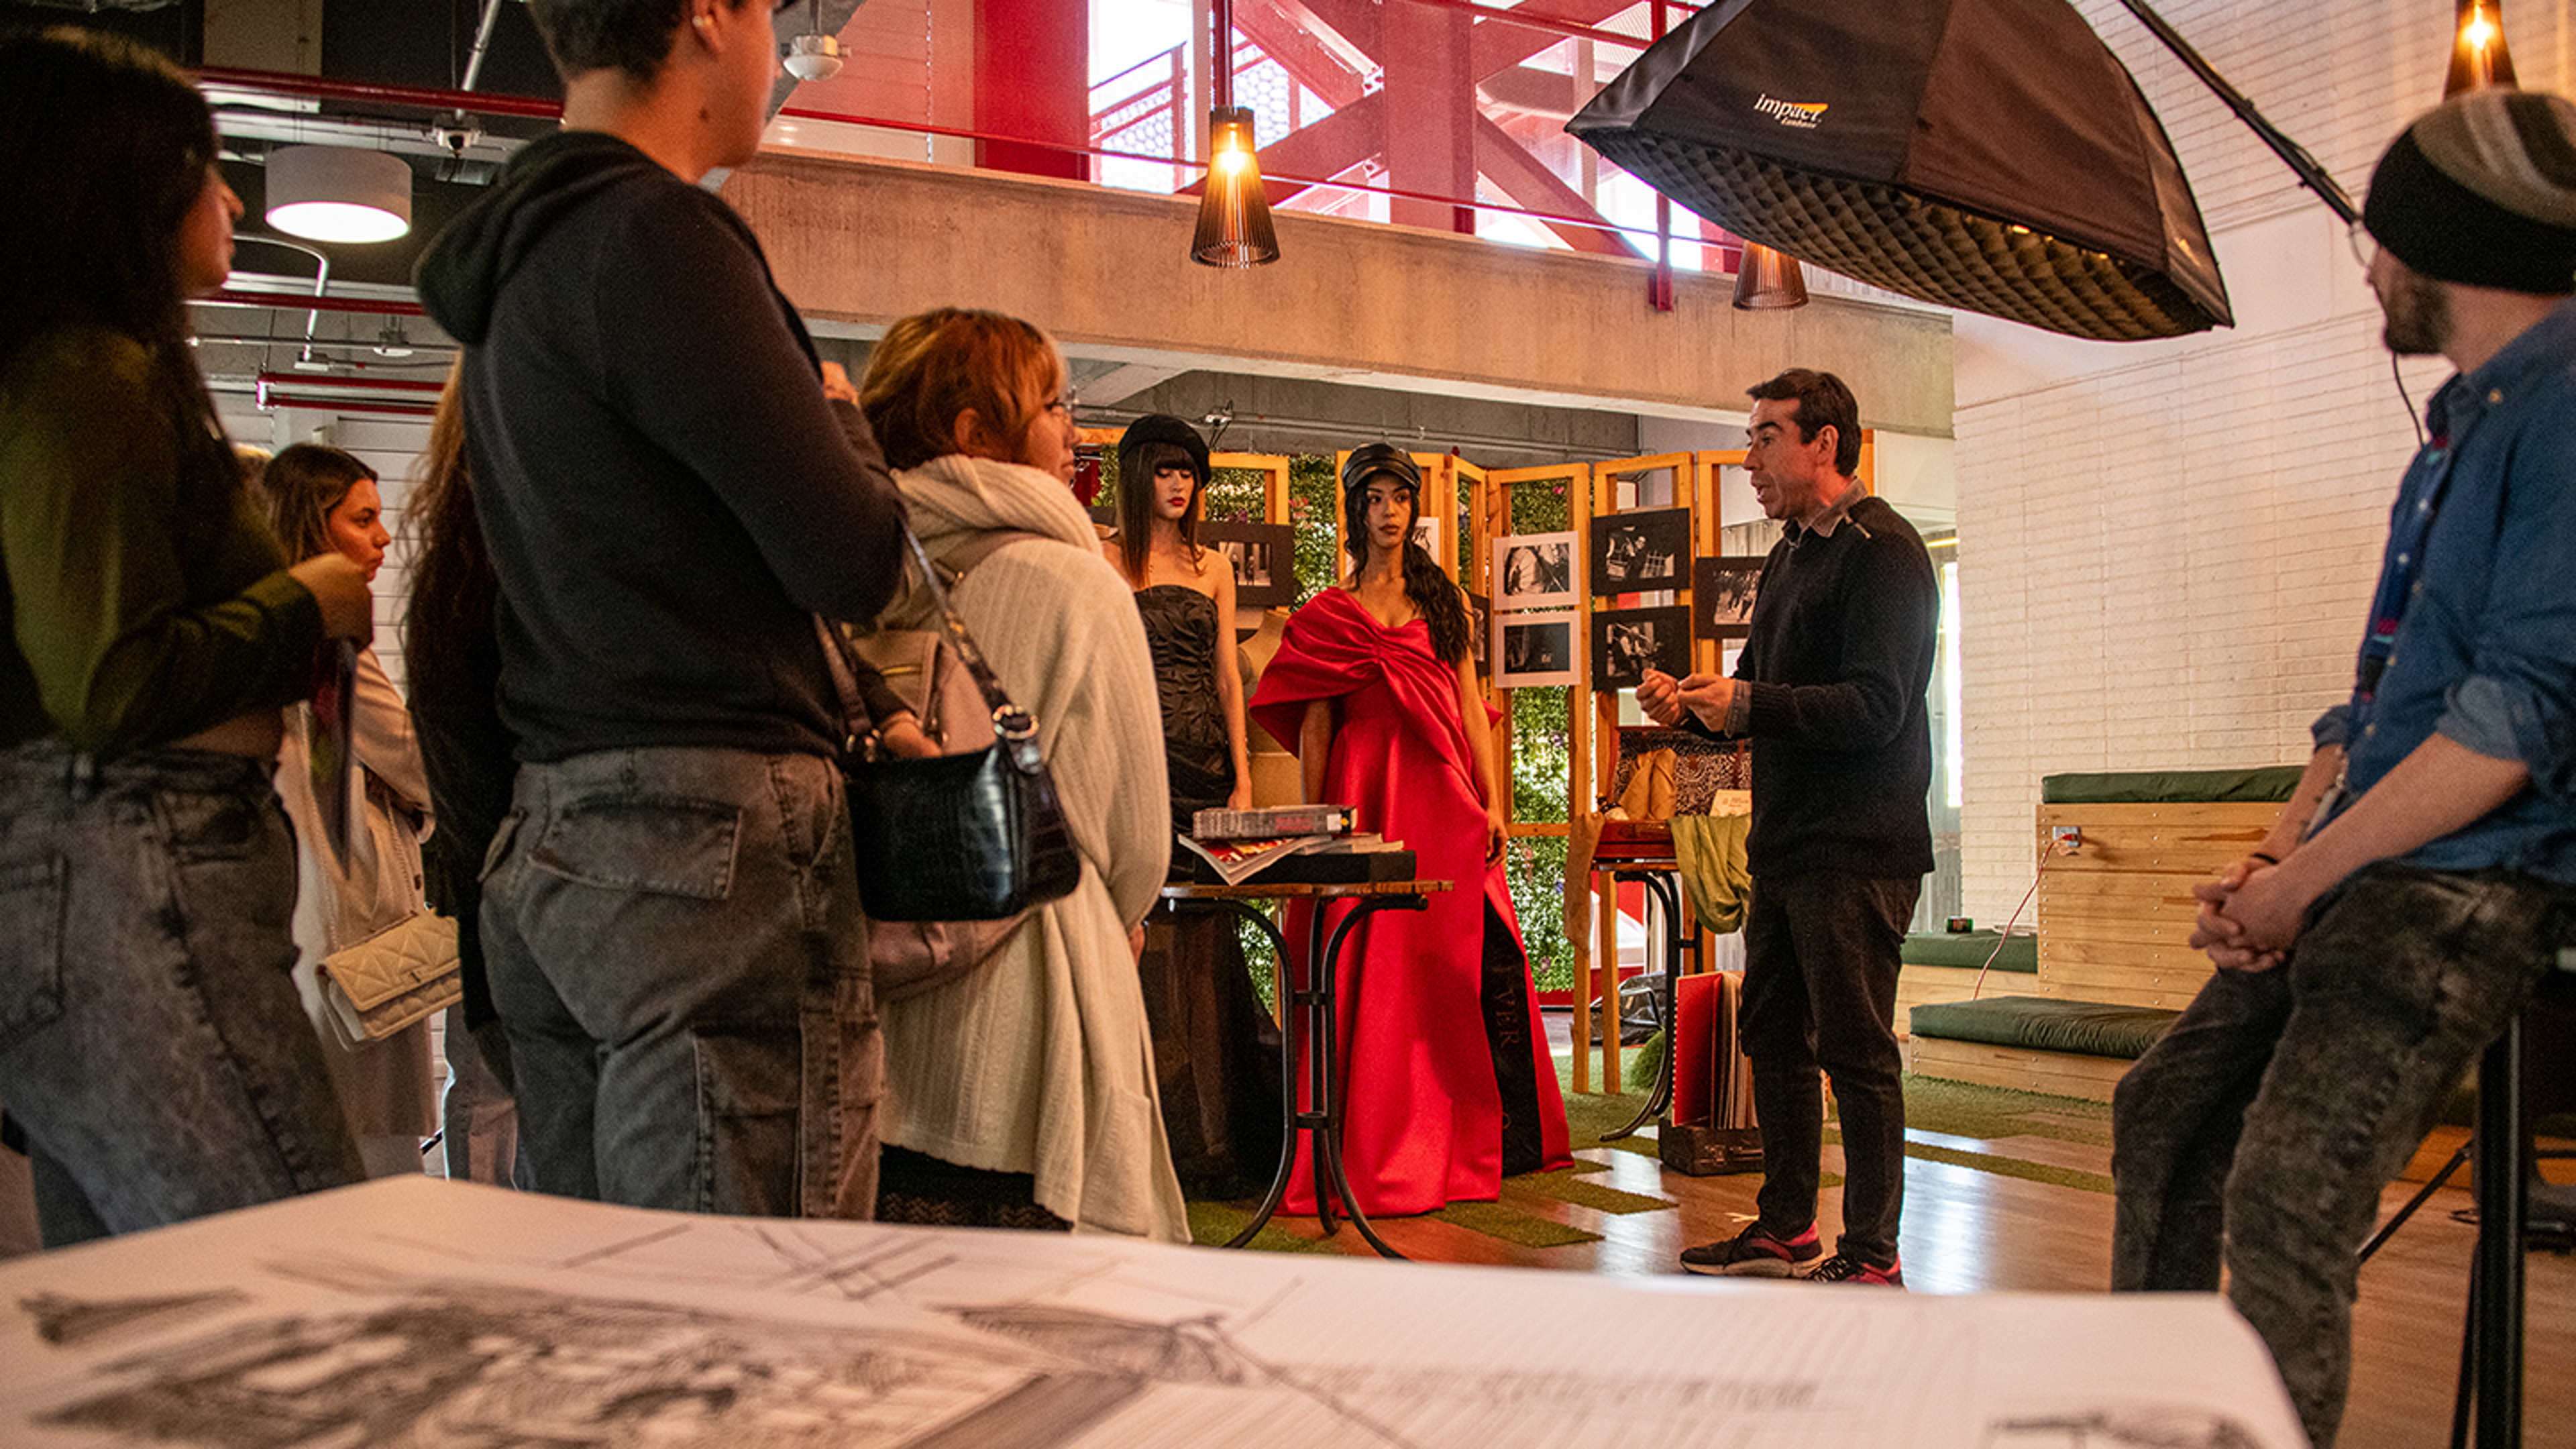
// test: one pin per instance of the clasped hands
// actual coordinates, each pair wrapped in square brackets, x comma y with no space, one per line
[2249,914]
[1663,698]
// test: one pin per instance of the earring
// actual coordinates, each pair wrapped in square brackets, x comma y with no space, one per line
[699,21]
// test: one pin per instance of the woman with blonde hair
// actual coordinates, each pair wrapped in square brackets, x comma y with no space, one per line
[1022,1093]
[321,499]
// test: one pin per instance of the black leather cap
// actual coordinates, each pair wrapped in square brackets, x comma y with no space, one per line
[1366,463]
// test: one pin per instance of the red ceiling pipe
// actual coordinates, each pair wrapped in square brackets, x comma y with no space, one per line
[371,384]
[295,302]
[801,113]
[345,405]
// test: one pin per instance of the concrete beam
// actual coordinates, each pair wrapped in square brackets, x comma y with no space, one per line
[860,243]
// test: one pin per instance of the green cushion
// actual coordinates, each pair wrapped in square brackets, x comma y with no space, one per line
[2169,787]
[1970,949]
[2038,1023]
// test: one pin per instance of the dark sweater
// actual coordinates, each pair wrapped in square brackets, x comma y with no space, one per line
[142,596]
[667,494]
[1838,658]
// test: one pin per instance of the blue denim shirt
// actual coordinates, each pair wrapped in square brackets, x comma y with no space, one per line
[2486,652]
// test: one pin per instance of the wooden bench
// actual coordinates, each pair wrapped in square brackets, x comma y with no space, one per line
[2115,917]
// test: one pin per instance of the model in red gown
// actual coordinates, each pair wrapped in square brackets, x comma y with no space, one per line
[1447,1082]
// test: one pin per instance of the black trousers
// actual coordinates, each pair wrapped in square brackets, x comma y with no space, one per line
[1821,955]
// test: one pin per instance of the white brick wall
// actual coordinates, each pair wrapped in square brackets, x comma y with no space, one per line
[2167,548]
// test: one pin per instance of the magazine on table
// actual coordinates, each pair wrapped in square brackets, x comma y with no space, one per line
[1236,861]
[1274,822]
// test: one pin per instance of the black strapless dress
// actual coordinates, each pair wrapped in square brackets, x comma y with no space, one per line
[1216,1049]
[1187,638]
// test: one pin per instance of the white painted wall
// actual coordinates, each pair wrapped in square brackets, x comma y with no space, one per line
[2167,548]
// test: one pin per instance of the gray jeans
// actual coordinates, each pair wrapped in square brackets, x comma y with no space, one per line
[677,952]
[2261,1129]
[150,1038]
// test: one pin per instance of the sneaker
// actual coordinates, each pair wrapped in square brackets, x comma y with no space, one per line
[1844,1268]
[1754,1253]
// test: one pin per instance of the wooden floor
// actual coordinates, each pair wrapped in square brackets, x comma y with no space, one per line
[1967,1231]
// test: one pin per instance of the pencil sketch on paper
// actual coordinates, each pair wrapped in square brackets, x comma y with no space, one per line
[68,1322]
[446,1362]
[2135,1426]
[449,1315]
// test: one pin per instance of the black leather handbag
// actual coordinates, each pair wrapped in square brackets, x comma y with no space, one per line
[972,835]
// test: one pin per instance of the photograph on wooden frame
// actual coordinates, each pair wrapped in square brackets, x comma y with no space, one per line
[1626,641]
[1640,551]
[1426,532]
[1722,592]
[1537,651]
[1480,632]
[1533,571]
[1265,561]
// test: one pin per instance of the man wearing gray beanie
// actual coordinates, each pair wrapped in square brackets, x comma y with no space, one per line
[2424,873]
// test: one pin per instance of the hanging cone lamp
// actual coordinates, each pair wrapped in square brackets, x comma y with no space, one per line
[1234,212]
[1768,281]
[2478,56]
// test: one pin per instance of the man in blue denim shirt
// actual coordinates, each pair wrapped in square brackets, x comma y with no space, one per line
[2365,962]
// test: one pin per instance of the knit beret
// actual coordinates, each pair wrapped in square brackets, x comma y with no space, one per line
[2481,190]
[1166,429]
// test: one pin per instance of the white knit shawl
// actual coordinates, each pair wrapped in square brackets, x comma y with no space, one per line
[1041,1061]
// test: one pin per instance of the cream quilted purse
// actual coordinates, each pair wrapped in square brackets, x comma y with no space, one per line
[391,979]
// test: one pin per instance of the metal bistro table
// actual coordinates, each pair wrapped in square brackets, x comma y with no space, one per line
[1308,1020]
[1644,853]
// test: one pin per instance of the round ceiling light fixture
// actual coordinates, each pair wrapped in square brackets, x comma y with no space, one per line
[338,194]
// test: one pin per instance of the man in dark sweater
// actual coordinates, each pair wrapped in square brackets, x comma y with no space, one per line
[671,915]
[1831,693]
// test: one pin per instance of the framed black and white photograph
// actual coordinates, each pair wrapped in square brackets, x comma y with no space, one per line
[1426,532]
[1722,594]
[1480,632]
[1533,571]
[1637,552]
[1265,560]
[1536,651]
[1626,641]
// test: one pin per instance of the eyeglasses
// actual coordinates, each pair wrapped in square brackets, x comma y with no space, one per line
[1063,406]
[2365,247]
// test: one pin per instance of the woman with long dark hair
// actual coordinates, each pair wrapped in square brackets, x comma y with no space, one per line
[453,657]
[151,630]
[1448,1082]
[1216,1054]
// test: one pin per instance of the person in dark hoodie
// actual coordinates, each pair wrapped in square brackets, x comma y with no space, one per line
[670,917]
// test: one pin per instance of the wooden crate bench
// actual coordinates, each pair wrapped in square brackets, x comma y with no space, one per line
[1944,966]
[2115,919]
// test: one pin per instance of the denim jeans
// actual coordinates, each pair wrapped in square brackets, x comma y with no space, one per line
[676,949]
[2261,1129]
[150,1038]
[1821,956]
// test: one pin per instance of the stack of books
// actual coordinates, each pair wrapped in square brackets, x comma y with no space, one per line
[1232,846]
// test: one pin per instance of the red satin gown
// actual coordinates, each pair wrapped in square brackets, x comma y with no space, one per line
[1438,1022]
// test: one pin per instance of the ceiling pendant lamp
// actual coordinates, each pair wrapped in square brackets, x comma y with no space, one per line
[1234,211]
[2478,56]
[814,56]
[1768,281]
[338,194]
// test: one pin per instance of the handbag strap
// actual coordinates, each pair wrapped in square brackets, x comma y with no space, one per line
[1015,728]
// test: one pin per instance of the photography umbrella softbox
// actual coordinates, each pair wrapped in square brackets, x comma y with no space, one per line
[1990,155]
